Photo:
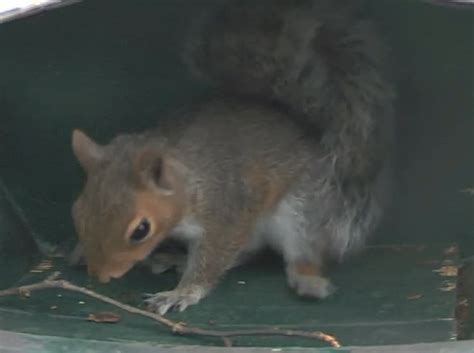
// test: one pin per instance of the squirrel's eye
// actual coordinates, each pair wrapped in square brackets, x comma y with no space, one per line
[141,231]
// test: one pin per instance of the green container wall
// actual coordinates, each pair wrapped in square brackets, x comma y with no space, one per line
[113,66]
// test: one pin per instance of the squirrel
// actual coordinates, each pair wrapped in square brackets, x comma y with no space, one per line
[294,153]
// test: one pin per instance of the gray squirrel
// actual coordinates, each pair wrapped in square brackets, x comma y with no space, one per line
[292,154]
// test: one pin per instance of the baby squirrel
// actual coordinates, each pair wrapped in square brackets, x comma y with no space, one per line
[294,155]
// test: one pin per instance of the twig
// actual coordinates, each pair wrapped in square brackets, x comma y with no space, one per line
[452,3]
[52,281]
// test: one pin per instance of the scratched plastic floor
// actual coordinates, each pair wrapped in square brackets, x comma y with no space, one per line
[390,295]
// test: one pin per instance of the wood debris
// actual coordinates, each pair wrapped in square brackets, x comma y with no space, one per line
[447,271]
[44,265]
[104,317]
[414,296]
[448,287]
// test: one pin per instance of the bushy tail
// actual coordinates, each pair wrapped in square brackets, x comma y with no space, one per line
[312,56]
[316,59]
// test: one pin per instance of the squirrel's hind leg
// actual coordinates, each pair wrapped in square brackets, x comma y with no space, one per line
[307,280]
[288,232]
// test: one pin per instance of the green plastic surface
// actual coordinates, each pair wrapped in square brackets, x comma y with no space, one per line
[390,295]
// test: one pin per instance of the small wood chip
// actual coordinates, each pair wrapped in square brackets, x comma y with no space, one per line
[447,271]
[104,317]
[414,296]
[44,265]
[448,287]
[25,294]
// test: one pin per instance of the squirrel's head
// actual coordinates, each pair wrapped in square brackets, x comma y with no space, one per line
[133,196]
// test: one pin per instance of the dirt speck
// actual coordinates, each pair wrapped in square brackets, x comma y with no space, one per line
[104,317]
[414,296]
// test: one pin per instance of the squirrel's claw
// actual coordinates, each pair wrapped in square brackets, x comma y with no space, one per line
[178,299]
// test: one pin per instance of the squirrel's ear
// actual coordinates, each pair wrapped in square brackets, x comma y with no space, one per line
[87,152]
[156,170]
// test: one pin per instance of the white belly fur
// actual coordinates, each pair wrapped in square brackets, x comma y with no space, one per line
[283,230]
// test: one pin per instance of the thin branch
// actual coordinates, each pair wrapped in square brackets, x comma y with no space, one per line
[175,327]
[462,4]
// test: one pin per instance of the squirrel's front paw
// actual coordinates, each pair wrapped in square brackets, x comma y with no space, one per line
[178,299]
